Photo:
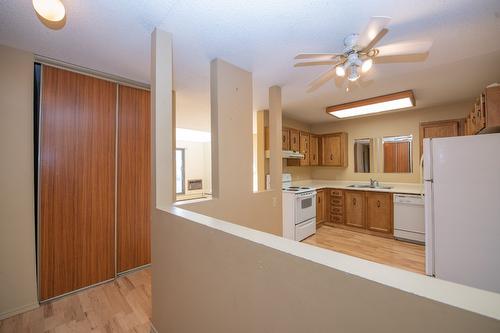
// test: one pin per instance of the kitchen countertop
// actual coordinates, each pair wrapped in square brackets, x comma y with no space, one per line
[408,188]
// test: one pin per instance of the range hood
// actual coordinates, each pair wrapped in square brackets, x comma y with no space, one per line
[288,154]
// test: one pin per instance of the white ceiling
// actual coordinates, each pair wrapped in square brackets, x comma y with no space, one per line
[263,36]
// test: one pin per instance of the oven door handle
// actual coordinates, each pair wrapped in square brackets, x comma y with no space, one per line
[312,195]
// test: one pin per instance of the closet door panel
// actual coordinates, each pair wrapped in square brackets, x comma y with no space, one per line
[77,181]
[134,179]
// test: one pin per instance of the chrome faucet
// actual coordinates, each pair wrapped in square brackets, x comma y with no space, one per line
[374,183]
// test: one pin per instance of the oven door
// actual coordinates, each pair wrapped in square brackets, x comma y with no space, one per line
[305,207]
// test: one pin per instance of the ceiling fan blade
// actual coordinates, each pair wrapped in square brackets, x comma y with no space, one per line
[317,63]
[319,56]
[404,48]
[374,27]
[377,39]
[322,79]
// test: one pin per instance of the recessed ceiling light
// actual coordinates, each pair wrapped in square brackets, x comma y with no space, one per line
[52,10]
[400,100]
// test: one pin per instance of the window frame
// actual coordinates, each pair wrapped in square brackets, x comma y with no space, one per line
[183,177]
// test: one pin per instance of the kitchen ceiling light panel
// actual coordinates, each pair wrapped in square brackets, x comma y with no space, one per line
[396,101]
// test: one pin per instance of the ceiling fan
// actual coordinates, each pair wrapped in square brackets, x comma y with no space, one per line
[360,53]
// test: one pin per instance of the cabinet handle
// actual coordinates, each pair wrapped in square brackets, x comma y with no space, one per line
[354,201]
[378,203]
[319,199]
[314,156]
[331,156]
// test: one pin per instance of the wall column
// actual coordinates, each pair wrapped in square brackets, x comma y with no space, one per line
[275,132]
[162,121]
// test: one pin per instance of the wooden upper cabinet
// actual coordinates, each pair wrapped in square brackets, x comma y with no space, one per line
[491,110]
[355,208]
[294,140]
[440,129]
[334,149]
[379,212]
[314,150]
[285,139]
[304,148]
[320,206]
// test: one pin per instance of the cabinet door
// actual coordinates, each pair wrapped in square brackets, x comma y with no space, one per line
[332,150]
[439,129]
[304,148]
[314,150]
[294,140]
[134,179]
[285,139]
[355,208]
[379,211]
[320,206]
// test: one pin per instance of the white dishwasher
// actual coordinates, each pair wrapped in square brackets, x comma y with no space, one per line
[409,218]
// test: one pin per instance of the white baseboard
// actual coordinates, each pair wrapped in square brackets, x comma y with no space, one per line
[18,310]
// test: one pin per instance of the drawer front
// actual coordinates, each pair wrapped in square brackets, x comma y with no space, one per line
[335,218]
[336,193]
[336,201]
[337,210]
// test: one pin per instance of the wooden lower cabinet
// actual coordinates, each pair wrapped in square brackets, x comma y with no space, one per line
[379,211]
[336,207]
[355,208]
[364,211]
[320,206]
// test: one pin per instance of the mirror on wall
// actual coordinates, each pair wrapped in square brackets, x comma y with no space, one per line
[397,152]
[363,155]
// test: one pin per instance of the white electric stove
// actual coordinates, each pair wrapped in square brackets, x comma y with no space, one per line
[299,210]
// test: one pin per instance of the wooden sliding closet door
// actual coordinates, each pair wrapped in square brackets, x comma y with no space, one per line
[77,181]
[134,179]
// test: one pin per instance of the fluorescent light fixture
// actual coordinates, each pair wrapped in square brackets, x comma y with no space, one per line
[52,10]
[400,100]
[184,134]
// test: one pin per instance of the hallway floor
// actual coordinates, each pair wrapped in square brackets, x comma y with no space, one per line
[123,305]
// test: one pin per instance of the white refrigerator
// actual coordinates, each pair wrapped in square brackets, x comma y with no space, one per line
[462,209]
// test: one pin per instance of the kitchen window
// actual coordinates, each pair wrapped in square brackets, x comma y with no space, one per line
[179,171]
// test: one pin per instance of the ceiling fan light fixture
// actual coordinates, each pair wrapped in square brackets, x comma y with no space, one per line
[400,100]
[340,70]
[354,74]
[52,10]
[367,65]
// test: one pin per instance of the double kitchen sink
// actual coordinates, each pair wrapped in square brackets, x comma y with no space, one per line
[370,186]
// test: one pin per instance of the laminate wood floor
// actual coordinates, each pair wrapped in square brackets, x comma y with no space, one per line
[122,305]
[386,251]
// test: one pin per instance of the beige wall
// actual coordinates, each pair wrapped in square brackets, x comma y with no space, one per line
[399,123]
[17,234]
[208,280]
[232,141]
